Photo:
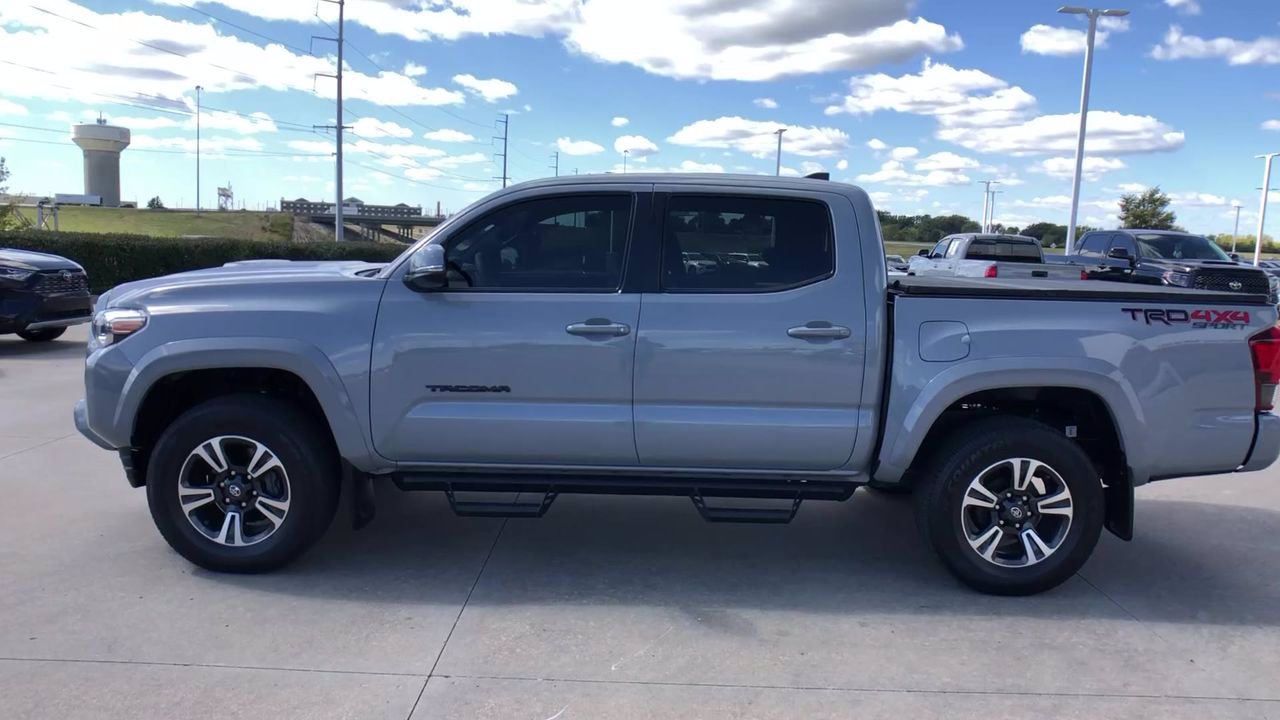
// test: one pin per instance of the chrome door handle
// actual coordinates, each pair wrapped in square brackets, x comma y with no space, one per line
[606,329]
[813,331]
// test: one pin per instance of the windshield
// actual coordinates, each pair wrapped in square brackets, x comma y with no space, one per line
[1166,246]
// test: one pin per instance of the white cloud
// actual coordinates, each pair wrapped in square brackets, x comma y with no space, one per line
[146,123]
[758,138]
[1130,187]
[1091,168]
[1053,40]
[447,135]
[619,121]
[808,167]
[954,96]
[422,173]
[455,161]
[392,154]
[686,166]
[1062,202]
[215,120]
[8,107]
[904,153]
[413,69]
[492,89]
[1271,125]
[1186,7]
[766,103]
[1198,199]
[373,128]
[638,146]
[842,165]
[1110,133]
[893,172]
[207,145]
[304,179]
[1177,45]
[877,144]
[569,146]
[945,161]
[100,58]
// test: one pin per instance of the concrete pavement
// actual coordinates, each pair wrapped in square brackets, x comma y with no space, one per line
[608,607]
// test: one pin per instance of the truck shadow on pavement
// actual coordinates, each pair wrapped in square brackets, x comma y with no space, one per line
[1191,562]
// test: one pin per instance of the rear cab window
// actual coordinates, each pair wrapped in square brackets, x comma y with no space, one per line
[742,243]
[1003,249]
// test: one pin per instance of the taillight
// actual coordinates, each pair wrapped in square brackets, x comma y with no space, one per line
[1265,348]
[992,270]
[1084,274]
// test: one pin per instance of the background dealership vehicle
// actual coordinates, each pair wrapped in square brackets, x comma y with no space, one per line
[1166,257]
[41,295]
[897,263]
[552,338]
[979,255]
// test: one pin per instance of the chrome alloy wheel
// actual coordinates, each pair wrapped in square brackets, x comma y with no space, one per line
[234,490]
[1016,512]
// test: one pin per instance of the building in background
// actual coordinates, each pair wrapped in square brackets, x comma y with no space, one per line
[102,145]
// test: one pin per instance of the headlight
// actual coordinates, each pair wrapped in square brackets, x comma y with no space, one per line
[15,274]
[112,326]
[1181,279]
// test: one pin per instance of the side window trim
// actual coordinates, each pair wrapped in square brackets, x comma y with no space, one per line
[635,207]
[665,218]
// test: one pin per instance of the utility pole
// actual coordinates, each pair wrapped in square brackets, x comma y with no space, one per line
[338,127]
[1093,15]
[624,161]
[506,127]
[991,222]
[556,157]
[987,203]
[777,169]
[198,89]
[1262,210]
[1236,231]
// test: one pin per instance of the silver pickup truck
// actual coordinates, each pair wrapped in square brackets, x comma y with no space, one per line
[552,338]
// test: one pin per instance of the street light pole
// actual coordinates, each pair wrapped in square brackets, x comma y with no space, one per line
[625,153]
[1094,14]
[1236,232]
[198,89]
[777,170]
[987,203]
[991,223]
[1262,209]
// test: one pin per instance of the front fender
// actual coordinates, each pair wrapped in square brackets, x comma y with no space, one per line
[912,415]
[302,359]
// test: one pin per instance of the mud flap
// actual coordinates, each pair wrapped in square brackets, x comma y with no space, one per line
[360,498]
[1119,498]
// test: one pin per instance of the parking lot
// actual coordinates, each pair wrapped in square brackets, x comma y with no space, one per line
[606,608]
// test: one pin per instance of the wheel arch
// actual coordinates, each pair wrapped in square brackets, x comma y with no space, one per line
[177,375]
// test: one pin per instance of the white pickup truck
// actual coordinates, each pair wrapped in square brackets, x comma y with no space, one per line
[989,255]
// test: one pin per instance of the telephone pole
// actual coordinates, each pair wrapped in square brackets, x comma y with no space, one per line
[506,126]
[198,89]
[625,153]
[338,127]
[986,202]
[1236,231]
[777,170]
[556,157]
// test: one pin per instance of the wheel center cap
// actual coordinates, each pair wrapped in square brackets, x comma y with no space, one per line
[234,491]
[1016,512]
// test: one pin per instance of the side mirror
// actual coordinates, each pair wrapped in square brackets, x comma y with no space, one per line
[923,253]
[427,270]
[1234,256]
[1120,253]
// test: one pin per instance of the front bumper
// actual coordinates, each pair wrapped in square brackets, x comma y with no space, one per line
[1266,443]
[25,310]
[81,415]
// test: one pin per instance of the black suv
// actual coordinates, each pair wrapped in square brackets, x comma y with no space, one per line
[1167,257]
[41,295]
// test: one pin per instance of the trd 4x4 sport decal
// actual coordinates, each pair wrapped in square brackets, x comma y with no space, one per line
[1203,318]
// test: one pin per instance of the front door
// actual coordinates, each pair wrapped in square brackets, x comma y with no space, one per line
[527,356]
[756,361]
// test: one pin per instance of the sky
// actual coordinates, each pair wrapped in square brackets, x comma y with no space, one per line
[914,101]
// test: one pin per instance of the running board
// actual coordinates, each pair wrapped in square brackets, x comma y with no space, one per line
[544,489]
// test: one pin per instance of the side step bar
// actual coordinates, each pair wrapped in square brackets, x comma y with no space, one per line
[544,489]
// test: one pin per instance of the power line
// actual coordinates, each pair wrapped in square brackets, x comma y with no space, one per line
[409,179]
[232,152]
[242,28]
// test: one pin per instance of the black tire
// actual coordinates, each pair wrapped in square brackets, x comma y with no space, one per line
[982,445]
[44,335]
[302,447]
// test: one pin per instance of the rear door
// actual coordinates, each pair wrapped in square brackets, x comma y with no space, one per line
[752,365]
[526,358]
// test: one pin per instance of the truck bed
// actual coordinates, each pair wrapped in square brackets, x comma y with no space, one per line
[1048,289]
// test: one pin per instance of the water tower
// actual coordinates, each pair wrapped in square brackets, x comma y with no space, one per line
[102,145]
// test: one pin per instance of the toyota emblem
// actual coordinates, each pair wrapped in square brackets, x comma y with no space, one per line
[1235,285]
[66,274]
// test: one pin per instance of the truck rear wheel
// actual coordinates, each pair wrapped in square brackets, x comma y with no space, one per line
[244,483]
[1011,506]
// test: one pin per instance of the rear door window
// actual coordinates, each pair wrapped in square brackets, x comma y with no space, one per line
[745,244]
[1094,244]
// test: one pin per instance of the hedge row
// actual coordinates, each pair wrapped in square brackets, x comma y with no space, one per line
[114,259]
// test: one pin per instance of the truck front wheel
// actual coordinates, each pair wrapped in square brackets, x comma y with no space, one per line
[243,483]
[1011,506]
